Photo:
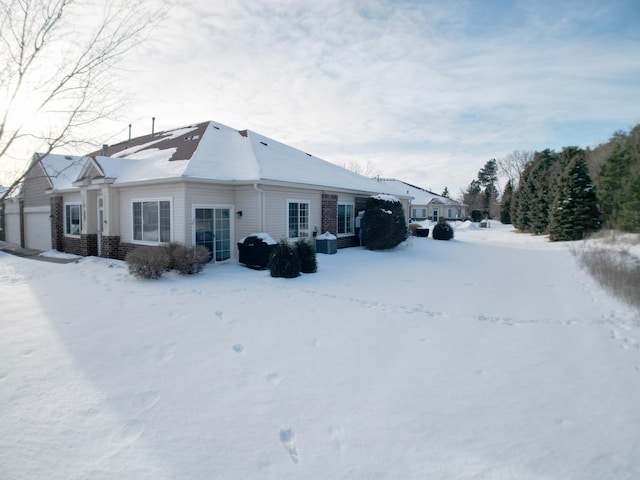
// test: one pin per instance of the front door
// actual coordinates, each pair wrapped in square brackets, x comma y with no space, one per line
[212,230]
[435,214]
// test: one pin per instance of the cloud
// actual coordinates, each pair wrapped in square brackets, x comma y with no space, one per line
[425,90]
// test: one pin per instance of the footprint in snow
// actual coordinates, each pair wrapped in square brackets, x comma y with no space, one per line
[273,378]
[146,400]
[129,432]
[288,440]
[165,353]
[238,348]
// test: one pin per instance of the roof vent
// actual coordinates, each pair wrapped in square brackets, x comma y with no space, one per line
[104,150]
[217,128]
[263,143]
[243,133]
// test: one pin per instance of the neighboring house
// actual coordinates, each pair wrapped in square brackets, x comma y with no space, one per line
[204,184]
[426,205]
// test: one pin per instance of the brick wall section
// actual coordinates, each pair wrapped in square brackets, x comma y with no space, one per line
[89,245]
[329,213]
[57,224]
[126,248]
[111,247]
[72,245]
[344,242]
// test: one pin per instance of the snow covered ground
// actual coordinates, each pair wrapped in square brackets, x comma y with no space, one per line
[491,356]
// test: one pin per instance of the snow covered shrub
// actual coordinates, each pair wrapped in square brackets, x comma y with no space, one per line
[189,260]
[307,255]
[284,262]
[383,225]
[476,216]
[148,262]
[442,231]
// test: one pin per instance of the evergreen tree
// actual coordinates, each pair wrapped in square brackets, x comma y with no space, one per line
[614,179]
[384,224]
[575,211]
[445,192]
[505,204]
[628,216]
[487,177]
[472,196]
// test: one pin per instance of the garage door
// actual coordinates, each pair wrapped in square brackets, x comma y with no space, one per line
[12,227]
[37,230]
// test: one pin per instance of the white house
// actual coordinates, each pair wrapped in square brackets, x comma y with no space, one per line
[205,184]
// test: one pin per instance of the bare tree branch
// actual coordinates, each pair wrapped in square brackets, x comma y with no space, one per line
[55,67]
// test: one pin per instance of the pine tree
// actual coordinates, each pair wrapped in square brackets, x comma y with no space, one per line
[487,177]
[613,180]
[505,204]
[575,211]
[445,192]
[628,216]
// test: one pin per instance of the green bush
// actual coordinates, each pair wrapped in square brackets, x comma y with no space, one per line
[284,262]
[384,225]
[189,260]
[148,262]
[442,231]
[476,216]
[307,255]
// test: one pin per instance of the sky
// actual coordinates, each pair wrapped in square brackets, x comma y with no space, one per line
[424,91]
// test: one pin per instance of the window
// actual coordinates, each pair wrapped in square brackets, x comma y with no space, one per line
[420,213]
[152,221]
[345,219]
[72,219]
[435,214]
[298,219]
[1,218]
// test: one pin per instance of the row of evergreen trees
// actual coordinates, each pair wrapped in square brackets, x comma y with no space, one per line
[572,193]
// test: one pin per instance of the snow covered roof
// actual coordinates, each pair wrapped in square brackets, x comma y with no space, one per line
[213,151]
[62,170]
[420,195]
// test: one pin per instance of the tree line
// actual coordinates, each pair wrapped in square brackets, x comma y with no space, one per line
[567,194]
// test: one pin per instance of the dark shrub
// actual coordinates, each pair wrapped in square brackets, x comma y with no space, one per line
[384,225]
[189,260]
[171,248]
[476,215]
[307,255]
[442,231]
[284,262]
[148,262]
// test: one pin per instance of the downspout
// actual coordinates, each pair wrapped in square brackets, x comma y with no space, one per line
[262,205]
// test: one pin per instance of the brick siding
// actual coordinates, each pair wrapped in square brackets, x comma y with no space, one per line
[57,224]
[329,213]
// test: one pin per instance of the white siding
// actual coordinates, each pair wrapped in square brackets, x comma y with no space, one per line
[172,191]
[276,209]
[247,201]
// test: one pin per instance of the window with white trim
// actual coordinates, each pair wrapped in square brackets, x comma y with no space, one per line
[420,213]
[72,219]
[298,219]
[151,221]
[345,219]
